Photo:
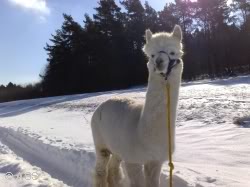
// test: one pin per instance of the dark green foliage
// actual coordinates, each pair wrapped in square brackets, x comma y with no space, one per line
[106,53]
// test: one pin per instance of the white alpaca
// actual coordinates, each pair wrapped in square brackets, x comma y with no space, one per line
[135,132]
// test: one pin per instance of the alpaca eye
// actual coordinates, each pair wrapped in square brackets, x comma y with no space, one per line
[172,53]
[152,56]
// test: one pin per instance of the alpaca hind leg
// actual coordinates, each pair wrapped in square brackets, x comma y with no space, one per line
[135,174]
[152,171]
[100,175]
[114,171]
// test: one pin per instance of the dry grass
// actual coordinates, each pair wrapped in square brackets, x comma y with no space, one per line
[243,121]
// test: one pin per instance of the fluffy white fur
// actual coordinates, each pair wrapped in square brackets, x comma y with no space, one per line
[135,132]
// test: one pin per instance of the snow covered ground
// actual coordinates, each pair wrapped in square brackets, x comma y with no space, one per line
[47,142]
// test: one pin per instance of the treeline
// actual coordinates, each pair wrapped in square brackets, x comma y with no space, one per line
[104,51]
[12,92]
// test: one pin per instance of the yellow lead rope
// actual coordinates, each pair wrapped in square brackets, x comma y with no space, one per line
[170,163]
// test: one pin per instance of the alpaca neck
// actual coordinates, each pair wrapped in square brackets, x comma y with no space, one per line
[155,95]
[152,127]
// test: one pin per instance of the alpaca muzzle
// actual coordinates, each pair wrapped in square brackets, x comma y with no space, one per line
[171,65]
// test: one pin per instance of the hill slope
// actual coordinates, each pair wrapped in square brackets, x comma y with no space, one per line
[48,142]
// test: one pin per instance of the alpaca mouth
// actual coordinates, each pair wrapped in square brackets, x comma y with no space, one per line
[160,67]
[171,65]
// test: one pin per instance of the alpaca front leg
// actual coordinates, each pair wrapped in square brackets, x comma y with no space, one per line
[114,171]
[100,175]
[135,174]
[152,172]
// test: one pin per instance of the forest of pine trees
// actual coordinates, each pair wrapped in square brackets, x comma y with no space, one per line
[104,52]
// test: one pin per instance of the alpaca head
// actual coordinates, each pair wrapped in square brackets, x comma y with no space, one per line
[163,48]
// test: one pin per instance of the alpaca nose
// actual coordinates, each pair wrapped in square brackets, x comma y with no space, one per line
[159,61]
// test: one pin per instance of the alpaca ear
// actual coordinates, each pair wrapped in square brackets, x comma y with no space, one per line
[148,35]
[177,33]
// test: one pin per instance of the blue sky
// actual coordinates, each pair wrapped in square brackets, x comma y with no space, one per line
[26,26]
